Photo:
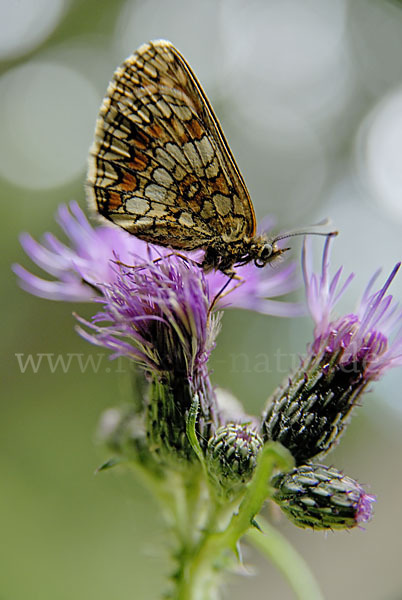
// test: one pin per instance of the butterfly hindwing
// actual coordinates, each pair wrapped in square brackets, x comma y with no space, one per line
[160,166]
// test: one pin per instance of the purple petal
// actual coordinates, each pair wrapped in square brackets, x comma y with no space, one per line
[71,291]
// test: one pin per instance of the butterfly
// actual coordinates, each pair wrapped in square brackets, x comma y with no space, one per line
[160,166]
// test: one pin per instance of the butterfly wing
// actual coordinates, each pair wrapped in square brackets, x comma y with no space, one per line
[160,166]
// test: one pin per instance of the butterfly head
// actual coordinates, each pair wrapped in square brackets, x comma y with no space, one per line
[265,252]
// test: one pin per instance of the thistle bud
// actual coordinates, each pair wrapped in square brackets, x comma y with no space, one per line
[321,497]
[310,413]
[232,456]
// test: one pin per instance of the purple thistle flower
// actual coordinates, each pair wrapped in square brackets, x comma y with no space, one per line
[157,315]
[370,338]
[81,270]
[309,413]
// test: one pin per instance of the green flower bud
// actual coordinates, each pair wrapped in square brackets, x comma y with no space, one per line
[231,456]
[321,497]
[309,414]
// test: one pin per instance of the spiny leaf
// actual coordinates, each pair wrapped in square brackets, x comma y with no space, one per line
[109,464]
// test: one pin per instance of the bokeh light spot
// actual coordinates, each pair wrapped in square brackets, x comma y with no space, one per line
[24,24]
[291,44]
[47,121]
[379,151]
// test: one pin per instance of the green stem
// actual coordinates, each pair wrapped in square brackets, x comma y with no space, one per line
[276,547]
[207,559]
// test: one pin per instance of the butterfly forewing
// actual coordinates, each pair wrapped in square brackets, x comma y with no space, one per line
[160,166]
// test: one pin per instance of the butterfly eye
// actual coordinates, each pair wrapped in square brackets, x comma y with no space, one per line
[264,255]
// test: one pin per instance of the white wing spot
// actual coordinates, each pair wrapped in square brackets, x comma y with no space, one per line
[193,158]
[204,147]
[186,220]
[160,194]
[165,159]
[179,173]
[143,222]
[157,210]
[137,206]
[177,154]
[144,114]
[182,112]
[162,177]
[164,108]
[150,70]
[212,170]
[130,224]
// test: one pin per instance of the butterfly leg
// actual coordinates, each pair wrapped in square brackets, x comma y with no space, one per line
[156,260]
[221,294]
[182,256]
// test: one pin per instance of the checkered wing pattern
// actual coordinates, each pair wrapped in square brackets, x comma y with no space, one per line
[160,166]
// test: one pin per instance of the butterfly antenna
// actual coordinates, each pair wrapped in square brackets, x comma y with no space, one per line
[315,229]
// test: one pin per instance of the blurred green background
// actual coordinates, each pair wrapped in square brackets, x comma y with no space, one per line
[309,93]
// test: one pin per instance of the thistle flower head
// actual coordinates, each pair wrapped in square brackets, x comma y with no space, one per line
[81,269]
[371,338]
[321,497]
[156,314]
[309,413]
